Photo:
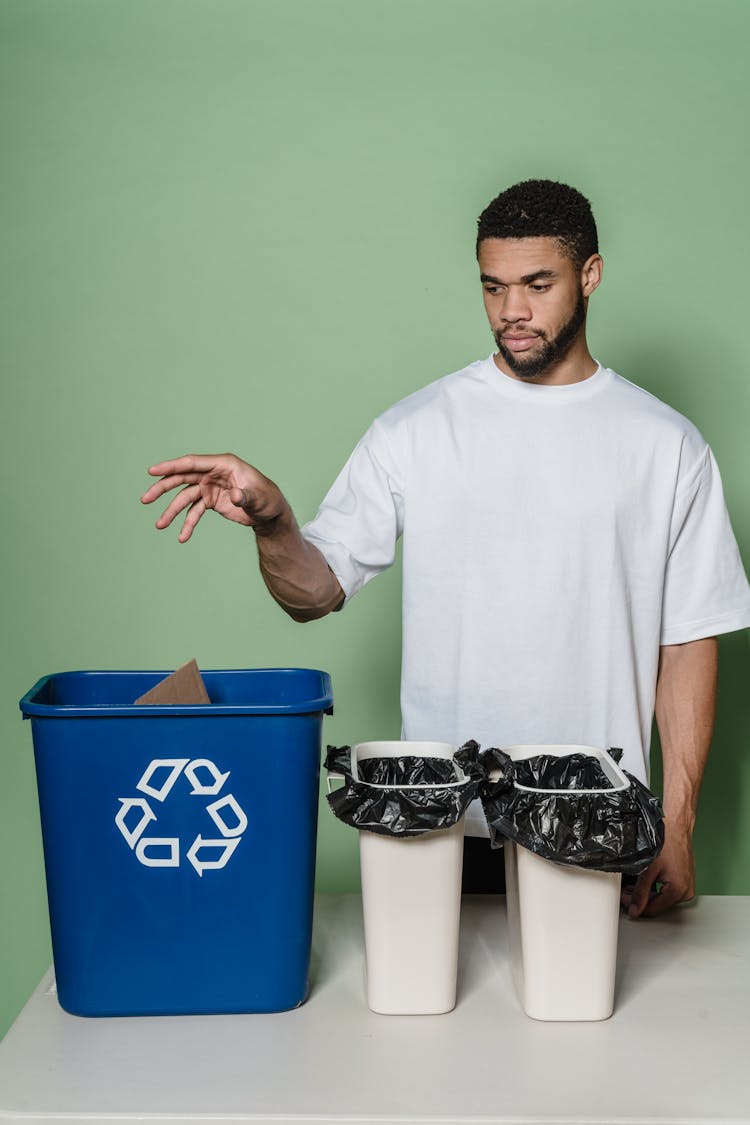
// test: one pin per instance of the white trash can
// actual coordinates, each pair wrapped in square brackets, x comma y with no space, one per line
[411,900]
[563,921]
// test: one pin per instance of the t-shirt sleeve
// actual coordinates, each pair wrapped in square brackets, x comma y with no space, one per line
[359,522]
[705,587]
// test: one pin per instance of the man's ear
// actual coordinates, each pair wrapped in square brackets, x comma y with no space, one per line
[591,274]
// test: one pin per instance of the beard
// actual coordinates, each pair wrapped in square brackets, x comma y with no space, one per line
[552,350]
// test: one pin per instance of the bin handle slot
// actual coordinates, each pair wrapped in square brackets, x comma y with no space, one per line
[333,777]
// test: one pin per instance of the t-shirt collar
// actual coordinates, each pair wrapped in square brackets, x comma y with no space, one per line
[538,392]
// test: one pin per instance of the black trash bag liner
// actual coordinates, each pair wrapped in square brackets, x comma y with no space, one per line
[397,811]
[407,770]
[573,771]
[610,831]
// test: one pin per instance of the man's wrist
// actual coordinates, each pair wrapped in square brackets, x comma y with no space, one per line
[282,521]
[680,818]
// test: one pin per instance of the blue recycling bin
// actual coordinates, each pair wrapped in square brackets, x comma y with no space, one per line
[179,841]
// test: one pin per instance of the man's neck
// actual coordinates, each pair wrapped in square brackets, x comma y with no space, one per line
[576,366]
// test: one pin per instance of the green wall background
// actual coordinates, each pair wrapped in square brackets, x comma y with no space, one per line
[249,226]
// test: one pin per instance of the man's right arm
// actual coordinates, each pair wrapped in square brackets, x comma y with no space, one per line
[295,572]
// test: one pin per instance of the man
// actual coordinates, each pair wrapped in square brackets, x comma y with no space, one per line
[568,558]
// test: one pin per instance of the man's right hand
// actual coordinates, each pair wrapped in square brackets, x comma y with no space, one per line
[223,483]
[295,571]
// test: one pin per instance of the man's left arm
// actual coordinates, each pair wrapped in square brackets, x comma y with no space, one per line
[685,712]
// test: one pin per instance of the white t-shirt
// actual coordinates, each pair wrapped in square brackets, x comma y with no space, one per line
[553,539]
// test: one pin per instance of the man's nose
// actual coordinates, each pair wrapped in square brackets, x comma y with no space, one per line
[515,307]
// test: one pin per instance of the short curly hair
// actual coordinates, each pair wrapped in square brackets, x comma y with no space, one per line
[542,209]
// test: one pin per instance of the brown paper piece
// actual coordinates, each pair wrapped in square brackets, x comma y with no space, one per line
[183,686]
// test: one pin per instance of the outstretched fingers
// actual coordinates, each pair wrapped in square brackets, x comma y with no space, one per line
[168,482]
[197,510]
[182,500]
[192,463]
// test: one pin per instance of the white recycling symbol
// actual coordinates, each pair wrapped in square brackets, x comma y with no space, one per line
[164,851]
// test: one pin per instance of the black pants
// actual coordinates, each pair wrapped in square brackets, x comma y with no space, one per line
[484,869]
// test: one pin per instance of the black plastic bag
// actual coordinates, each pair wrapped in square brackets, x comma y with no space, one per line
[571,771]
[605,831]
[400,812]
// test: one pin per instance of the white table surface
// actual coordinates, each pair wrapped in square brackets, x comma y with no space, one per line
[676,1049]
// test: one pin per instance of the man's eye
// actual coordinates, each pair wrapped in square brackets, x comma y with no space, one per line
[492,288]
[540,288]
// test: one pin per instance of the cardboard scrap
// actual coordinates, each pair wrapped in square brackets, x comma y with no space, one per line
[183,686]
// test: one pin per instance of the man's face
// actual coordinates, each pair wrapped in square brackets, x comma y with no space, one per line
[534,297]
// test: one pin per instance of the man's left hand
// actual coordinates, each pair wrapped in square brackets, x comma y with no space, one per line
[670,879]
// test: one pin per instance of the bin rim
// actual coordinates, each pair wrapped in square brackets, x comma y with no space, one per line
[31,709]
[560,750]
[394,744]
